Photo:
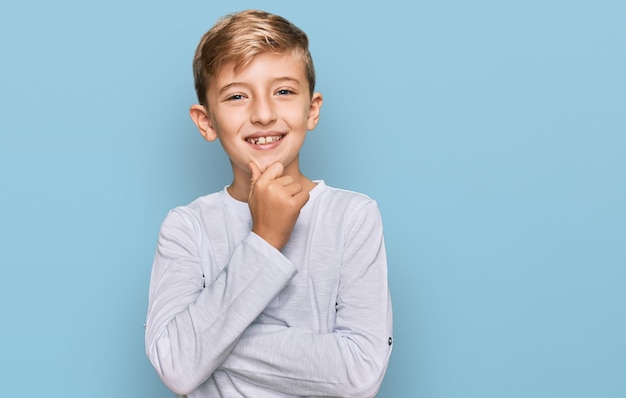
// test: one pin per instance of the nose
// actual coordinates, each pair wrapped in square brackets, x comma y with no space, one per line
[263,111]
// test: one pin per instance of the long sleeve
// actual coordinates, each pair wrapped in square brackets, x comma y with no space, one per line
[199,308]
[348,361]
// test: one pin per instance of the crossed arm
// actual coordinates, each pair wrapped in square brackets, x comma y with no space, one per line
[197,325]
[203,317]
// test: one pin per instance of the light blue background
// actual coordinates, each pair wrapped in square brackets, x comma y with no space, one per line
[492,134]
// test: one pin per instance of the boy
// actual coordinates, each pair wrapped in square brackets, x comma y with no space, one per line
[275,286]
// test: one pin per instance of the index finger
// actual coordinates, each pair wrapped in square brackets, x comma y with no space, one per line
[274,171]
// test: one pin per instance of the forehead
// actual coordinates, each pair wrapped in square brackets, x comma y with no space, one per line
[260,68]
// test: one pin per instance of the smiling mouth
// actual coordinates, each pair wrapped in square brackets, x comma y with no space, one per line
[264,140]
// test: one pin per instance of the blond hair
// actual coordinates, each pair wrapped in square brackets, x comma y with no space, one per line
[239,37]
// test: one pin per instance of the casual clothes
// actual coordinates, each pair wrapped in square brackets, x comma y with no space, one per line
[231,316]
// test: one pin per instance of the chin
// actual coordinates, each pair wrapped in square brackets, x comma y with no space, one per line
[263,164]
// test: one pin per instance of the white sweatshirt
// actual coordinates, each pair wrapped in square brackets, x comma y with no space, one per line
[231,316]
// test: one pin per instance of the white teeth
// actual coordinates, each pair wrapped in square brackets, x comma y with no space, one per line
[264,140]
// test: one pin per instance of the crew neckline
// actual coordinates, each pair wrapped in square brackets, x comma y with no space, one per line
[320,185]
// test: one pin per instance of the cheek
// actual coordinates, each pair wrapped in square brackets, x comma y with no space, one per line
[227,119]
[225,127]
[299,117]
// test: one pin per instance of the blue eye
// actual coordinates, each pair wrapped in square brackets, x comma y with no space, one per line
[284,92]
[234,97]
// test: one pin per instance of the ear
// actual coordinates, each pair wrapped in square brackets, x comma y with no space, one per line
[201,118]
[314,111]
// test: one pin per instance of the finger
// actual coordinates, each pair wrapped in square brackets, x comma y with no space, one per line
[293,188]
[302,197]
[255,172]
[284,180]
[274,171]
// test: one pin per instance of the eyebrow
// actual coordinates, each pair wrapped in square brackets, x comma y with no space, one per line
[292,80]
[287,79]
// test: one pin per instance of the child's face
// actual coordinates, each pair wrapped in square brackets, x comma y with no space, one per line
[262,112]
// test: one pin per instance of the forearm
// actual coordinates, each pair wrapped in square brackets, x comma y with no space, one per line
[348,361]
[194,322]
[305,363]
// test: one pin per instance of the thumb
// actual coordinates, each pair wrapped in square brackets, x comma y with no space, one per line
[255,172]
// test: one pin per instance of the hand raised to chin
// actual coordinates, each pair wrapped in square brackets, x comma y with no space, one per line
[275,202]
